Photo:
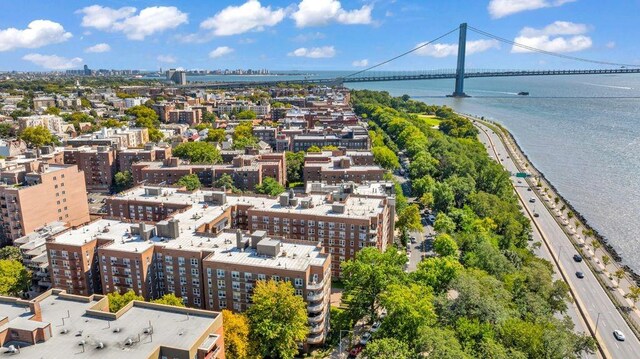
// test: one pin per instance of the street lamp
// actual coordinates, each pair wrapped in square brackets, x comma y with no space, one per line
[343,330]
[595,333]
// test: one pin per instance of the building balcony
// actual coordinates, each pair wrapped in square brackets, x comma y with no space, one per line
[316,285]
[316,339]
[316,307]
[317,318]
[315,329]
[316,297]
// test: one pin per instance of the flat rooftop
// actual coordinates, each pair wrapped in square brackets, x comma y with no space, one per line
[172,327]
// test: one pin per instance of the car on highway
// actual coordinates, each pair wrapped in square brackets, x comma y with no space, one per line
[529,189]
[577,258]
[536,214]
[365,338]
[580,275]
[619,335]
[532,200]
[355,351]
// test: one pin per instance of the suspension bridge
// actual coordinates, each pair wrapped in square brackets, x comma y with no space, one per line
[459,74]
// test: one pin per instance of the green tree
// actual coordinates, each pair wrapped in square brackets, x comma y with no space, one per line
[243,135]
[444,224]
[37,136]
[445,246]
[387,348]
[11,253]
[409,219]
[386,158]
[169,299]
[606,260]
[191,182]
[122,181]
[314,149]
[84,102]
[619,274]
[198,152]
[216,136]
[246,115]
[634,294]
[409,308]
[367,276]
[225,181]
[329,148]
[117,301]
[7,130]
[443,197]
[111,123]
[278,320]
[295,166]
[14,277]
[52,111]
[437,272]
[269,186]
[236,335]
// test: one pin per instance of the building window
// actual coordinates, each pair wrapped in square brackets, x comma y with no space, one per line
[222,294]
[194,261]
[220,273]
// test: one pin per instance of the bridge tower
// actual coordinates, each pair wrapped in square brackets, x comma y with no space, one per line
[462,47]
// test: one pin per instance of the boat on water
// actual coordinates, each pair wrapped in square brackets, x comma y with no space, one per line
[523,93]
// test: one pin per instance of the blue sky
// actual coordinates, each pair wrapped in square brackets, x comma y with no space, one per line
[309,34]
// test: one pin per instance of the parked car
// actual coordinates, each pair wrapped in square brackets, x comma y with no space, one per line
[413,239]
[375,326]
[619,335]
[580,275]
[355,351]
[365,338]
[431,217]
[577,258]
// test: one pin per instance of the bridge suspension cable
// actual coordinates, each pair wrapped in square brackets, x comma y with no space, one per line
[530,48]
[403,54]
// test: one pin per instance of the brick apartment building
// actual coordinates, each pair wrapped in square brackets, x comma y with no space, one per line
[128,156]
[247,171]
[98,164]
[333,167]
[38,193]
[180,243]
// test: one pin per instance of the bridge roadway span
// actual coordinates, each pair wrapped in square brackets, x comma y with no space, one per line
[425,76]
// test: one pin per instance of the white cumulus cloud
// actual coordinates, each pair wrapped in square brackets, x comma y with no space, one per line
[444,50]
[169,59]
[220,51]
[323,12]
[37,34]
[147,22]
[53,62]
[98,48]
[250,16]
[560,36]
[502,8]
[360,63]
[314,52]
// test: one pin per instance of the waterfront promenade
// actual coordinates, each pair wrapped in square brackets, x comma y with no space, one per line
[599,304]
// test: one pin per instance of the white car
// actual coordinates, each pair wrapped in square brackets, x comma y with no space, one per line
[432,217]
[619,335]
[375,327]
[365,338]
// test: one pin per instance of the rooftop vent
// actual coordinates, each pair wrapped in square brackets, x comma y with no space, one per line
[100,345]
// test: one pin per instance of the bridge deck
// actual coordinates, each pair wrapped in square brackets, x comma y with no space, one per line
[426,76]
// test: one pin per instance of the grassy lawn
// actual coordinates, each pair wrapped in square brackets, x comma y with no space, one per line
[431,120]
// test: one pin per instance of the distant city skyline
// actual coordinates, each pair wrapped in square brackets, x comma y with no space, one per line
[308,35]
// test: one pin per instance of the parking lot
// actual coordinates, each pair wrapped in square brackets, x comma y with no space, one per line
[96,202]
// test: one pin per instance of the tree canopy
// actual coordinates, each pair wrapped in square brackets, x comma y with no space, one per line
[278,320]
[485,294]
[198,152]
[14,277]
[37,136]
[191,182]
[122,181]
[269,186]
[117,300]
[236,335]
[169,299]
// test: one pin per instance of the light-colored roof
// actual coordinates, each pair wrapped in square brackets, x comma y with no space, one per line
[171,328]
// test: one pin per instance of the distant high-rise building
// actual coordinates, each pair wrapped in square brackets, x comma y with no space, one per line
[87,71]
[178,77]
